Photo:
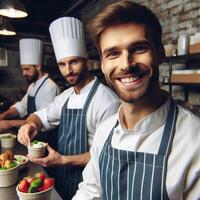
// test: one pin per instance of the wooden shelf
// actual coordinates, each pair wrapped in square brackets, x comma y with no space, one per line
[185,78]
[195,57]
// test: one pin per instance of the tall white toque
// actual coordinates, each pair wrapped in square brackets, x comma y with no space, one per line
[67,36]
[30,51]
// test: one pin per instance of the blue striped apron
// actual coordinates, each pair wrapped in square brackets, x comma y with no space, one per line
[73,140]
[129,175]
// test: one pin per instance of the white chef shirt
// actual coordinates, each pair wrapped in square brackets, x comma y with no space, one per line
[45,95]
[183,170]
[104,104]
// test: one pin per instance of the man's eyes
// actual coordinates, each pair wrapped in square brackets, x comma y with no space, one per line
[112,54]
[74,62]
[61,65]
[139,49]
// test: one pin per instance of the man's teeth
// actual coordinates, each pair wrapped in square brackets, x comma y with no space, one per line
[129,80]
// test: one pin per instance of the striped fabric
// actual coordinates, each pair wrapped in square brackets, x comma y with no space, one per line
[72,140]
[127,175]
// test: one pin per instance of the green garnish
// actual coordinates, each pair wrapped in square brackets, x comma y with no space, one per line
[12,165]
[34,142]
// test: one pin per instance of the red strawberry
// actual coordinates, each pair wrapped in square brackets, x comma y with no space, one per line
[23,186]
[47,183]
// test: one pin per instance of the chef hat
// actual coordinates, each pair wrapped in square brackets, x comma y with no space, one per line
[67,36]
[30,51]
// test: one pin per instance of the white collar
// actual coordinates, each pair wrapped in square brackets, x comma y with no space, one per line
[86,88]
[148,124]
[39,81]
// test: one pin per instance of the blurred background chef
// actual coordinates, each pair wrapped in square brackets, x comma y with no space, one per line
[78,110]
[41,90]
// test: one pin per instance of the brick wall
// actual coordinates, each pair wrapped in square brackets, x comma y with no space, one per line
[176,17]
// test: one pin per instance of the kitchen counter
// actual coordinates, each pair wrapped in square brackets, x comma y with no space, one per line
[9,193]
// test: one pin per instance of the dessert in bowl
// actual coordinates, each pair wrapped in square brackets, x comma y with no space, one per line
[37,149]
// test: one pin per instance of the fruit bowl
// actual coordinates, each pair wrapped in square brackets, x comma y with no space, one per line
[43,195]
[37,149]
[37,187]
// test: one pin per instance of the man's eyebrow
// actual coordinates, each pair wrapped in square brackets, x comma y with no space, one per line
[61,63]
[109,49]
[140,42]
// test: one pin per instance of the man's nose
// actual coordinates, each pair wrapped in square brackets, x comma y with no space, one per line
[126,60]
[67,69]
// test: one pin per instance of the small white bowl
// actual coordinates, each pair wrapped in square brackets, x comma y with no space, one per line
[23,160]
[9,177]
[37,151]
[8,140]
[44,195]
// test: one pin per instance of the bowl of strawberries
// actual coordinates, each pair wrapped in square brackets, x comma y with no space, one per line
[35,187]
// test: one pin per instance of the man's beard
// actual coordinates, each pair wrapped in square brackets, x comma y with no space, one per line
[146,90]
[33,78]
[80,78]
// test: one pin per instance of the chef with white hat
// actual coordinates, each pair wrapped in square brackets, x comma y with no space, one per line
[41,90]
[78,110]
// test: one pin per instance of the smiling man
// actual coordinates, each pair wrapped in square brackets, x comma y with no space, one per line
[150,148]
[78,110]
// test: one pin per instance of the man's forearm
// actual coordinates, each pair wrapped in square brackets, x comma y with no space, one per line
[9,114]
[17,123]
[34,119]
[78,160]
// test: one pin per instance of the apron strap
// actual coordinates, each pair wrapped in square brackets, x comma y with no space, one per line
[91,94]
[169,130]
[108,141]
[89,97]
[40,86]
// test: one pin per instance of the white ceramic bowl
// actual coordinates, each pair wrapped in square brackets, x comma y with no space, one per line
[44,195]
[9,177]
[23,160]
[39,151]
[8,140]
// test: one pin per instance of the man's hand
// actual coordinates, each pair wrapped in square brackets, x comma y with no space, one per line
[5,124]
[26,133]
[53,158]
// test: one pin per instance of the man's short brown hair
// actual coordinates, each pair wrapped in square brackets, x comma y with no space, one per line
[126,12]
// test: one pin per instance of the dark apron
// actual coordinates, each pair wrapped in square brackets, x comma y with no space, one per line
[129,175]
[72,140]
[31,106]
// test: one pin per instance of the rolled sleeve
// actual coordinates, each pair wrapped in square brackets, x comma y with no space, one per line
[21,106]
